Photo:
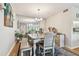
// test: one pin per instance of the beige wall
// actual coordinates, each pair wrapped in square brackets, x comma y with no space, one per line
[42,24]
[63,22]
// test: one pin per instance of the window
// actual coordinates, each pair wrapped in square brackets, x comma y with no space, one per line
[32,27]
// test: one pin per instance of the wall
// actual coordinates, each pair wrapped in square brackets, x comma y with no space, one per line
[42,24]
[63,22]
[23,27]
[7,38]
[75,35]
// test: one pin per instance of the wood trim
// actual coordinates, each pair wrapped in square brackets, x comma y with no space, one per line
[15,50]
[11,49]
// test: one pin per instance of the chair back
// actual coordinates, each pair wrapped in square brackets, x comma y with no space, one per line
[48,41]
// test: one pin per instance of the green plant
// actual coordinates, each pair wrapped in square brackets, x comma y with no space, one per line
[18,35]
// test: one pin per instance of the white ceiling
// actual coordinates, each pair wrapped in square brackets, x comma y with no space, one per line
[46,9]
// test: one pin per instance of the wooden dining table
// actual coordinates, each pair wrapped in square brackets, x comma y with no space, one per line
[36,38]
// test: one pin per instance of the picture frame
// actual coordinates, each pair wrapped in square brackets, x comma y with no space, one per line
[8,15]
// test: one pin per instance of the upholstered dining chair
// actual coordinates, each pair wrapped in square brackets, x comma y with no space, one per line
[48,44]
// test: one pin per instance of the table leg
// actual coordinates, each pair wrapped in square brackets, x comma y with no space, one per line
[35,41]
[34,48]
[53,46]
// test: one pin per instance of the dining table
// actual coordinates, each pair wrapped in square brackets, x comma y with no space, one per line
[35,37]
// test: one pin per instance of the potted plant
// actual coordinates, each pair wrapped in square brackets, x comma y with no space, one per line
[18,36]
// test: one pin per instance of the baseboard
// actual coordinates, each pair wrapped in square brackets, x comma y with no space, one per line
[67,46]
[72,47]
[11,49]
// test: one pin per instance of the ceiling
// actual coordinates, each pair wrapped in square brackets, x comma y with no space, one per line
[46,9]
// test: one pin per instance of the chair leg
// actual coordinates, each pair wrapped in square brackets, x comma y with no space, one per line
[21,53]
[39,50]
[44,52]
[53,51]
[31,52]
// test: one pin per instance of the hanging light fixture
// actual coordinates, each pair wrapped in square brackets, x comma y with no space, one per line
[38,16]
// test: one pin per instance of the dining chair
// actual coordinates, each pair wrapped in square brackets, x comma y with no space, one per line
[48,44]
[25,48]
